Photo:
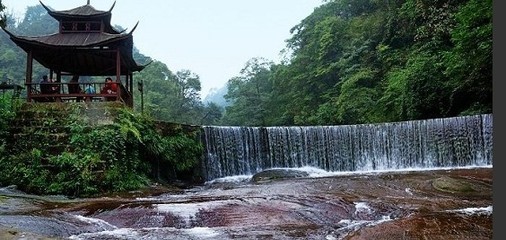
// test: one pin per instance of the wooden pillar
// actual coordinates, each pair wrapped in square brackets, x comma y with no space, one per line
[131,88]
[58,75]
[118,73]
[131,84]
[28,77]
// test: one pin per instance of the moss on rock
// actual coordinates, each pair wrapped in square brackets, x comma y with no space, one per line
[452,185]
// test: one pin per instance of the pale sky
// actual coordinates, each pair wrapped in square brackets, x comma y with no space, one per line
[212,38]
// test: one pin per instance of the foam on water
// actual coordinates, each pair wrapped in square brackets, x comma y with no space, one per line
[95,221]
[197,233]
[202,232]
[188,210]
[362,207]
[320,173]
[474,211]
[120,233]
[354,224]
[233,179]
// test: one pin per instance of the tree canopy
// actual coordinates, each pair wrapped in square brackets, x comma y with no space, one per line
[2,16]
[368,61]
[348,62]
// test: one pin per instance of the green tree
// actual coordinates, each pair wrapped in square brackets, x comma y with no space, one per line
[469,63]
[427,87]
[425,90]
[168,96]
[249,94]
[329,46]
[316,46]
[212,114]
[157,89]
[357,99]
[186,104]
[2,15]
[12,58]
[393,104]
[37,22]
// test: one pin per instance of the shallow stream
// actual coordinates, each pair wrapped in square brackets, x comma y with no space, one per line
[450,203]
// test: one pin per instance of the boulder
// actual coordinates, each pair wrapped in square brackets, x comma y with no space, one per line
[275,174]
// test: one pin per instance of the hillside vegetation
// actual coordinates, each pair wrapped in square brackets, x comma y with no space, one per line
[348,62]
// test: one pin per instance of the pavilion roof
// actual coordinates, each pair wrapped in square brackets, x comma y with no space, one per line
[83,53]
[92,39]
[87,12]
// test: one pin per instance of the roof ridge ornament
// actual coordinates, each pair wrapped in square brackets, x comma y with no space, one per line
[46,7]
[113,4]
[130,33]
[88,3]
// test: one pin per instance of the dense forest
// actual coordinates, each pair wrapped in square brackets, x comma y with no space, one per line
[348,62]
[365,61]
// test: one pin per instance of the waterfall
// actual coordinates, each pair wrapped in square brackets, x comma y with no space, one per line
[432,143]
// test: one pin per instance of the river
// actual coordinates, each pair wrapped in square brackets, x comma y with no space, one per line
[425,179]
[448,203]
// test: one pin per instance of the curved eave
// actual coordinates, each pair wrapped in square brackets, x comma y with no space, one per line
[62,16]
[71,40]
[94,58]
[141,67]
[133,29]
[8,32]
[85,12]
[112,7]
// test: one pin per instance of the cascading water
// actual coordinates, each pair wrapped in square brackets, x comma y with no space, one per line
[445,142]
[370,206]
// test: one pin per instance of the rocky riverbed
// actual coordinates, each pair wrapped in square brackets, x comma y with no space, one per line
[431,204]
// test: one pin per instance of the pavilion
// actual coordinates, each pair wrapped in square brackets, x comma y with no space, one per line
[85,45]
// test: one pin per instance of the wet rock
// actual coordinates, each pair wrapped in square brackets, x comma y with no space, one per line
[274,174]
[452,185]
[437,226]
[54,225]
[392,205]
[14,234]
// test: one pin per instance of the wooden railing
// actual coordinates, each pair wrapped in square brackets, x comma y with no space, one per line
[60,92]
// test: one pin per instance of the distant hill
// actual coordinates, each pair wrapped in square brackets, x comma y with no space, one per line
[217,96]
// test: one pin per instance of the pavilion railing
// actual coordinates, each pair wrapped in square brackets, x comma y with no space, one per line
[61,92]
